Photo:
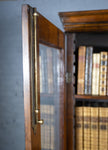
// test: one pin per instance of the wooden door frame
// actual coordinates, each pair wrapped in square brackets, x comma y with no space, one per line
[26,77]
[32,141]
[50,35]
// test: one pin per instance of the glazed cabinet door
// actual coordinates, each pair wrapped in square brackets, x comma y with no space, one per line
[44,82]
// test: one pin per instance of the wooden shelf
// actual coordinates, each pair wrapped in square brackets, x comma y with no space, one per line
[91,97]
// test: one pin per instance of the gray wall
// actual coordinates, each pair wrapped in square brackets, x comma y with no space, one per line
[11,72]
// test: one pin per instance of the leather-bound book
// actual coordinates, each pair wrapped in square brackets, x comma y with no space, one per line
[103,125]
[79,127]
[81,70]
[94,128]
[88,70]
[103,73]
[87,128]
[95,74]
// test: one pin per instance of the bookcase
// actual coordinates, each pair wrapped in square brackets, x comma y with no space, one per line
[53,97]
[84,28]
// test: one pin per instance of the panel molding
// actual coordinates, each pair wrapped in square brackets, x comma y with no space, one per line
[85,21]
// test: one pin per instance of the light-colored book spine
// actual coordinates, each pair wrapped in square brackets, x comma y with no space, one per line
[103,131]
[95,74]
[107,77]
[42,70]
[103,73]
[40,65]
[50,71]
[94,128]
[87,128]
[79,127]
[81,70]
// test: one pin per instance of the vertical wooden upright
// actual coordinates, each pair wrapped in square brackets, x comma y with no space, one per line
[32,140]
[70,91]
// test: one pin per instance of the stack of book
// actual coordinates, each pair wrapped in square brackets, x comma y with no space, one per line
[91,128]
[92,72]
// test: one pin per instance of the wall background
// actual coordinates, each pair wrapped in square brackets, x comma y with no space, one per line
[11,72]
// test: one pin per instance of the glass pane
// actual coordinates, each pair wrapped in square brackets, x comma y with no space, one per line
[50,97]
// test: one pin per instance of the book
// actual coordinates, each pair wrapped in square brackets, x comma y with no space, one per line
[95,74]
[87,128]
[94,128]
[79,127]
[43,73]
[81,70]
[107,77]
[50,70]
[103,131]
[88,70]
[48,129]
[40,66]
[103,73]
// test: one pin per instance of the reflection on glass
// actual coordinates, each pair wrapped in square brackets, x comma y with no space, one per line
[49,97]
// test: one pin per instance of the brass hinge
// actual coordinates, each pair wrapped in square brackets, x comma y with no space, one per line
[68,77]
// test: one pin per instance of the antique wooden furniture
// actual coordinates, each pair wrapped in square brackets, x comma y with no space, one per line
[81,28]
[40,37]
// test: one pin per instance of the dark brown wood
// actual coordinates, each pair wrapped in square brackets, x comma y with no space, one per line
[79,21]
[49,35]
[63,134]
[85,21]
[70,91]
[26,77]
[86,97]
[32,141]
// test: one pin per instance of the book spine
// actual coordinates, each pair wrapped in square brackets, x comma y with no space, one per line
[79,127]
[107,77]
[103,125]
[42,69]
[40,66]
[88,70]
[95,74]
[87,128]
[94,128]
[103,73]
[81,70]
[50,70]
[47,112]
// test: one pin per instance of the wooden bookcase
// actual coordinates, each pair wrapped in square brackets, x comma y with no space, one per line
[81,28]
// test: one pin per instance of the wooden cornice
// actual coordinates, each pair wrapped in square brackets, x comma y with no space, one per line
[85,21]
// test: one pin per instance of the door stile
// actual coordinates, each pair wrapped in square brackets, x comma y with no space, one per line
[26,76]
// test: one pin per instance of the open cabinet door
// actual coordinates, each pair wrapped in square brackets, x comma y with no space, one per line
[44,82]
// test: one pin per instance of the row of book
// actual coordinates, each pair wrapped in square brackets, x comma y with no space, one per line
[49,69]
[91,128]
[92,72]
